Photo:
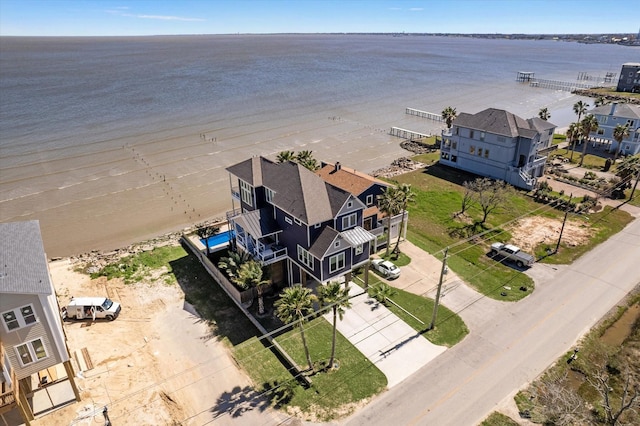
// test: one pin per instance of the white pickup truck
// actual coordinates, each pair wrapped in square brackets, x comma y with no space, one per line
[512,253]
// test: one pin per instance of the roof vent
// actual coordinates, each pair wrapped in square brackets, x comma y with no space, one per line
[337,166]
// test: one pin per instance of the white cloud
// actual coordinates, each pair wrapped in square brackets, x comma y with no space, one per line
[416,9]
[395,8]
[119,11]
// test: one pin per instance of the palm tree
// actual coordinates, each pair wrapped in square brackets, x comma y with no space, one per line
[286,156]
[544,114]
[250,275]
[573,133]
[382,291]
[448,115]
[232,263]
[306,160]
[587,125]
[336,296]
[580,108]
[405,196]
[204,232]
[294,305]
[619,134]
[388,204]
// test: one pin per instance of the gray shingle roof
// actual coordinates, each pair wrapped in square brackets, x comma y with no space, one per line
[298,191]
[499,122]
[23,263]
[621,110]
[323,242]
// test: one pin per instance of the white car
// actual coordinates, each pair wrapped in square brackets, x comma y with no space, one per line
[386,268]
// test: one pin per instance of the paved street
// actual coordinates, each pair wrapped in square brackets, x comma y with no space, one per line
[516,341]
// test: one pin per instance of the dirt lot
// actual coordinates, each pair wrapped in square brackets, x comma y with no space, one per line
[532,231]
[157,364]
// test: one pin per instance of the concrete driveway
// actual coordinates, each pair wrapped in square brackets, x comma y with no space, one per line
[387,341]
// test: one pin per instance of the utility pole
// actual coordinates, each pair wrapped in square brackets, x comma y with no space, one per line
[634,186]
[566,213]
[435,305]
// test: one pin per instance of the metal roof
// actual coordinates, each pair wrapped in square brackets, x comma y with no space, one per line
[357,236]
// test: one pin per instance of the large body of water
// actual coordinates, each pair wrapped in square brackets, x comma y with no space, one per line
[108,141]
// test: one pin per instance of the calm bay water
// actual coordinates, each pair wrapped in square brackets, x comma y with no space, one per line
[110,140]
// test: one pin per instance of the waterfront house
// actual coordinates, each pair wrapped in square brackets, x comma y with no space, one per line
[301,225]
[498,144]
[609,116]
[33,349]
[629,78]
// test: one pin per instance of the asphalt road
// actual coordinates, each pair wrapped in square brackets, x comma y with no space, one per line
[517,343]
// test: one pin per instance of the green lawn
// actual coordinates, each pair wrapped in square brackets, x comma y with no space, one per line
[498,419]
[334,393]
[417,312]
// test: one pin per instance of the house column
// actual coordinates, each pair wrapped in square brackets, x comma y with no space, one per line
[347,279]
[366,276]
[23,403]
[72,379]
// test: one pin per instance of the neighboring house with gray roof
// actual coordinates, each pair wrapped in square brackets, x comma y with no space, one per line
[293,220]
[609,116]
[498,144]
[629,78]
[32,342]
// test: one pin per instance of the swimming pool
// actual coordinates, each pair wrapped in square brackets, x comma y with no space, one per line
[218,239]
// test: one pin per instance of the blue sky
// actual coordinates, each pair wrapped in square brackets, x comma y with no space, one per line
[154,17]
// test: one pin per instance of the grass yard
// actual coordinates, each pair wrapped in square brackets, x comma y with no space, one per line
[334,393]
[417,311]
[590,161]
[498,419]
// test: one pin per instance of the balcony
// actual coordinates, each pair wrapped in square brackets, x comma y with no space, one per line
[235,192]
[265,253]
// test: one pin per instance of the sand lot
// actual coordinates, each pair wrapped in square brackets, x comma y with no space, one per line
[156,364]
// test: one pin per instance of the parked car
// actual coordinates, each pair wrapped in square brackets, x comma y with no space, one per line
[512,253]
[386,268]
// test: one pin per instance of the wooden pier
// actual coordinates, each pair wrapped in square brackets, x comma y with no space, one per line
[423,114]
[567,86]
[407,134]
[525,77]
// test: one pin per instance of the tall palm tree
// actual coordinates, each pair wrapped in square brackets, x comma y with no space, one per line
[587,125]
[544,114]
[573,133]
[448,115]
[336,296]
[388,204]
[286,156]
[250,275]
[405,196]
[580,108]
[306,160]
[619,134]
[294,305]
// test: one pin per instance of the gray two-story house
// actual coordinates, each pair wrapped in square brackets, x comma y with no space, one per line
[32,342]
[498,144]
[291,219]
[609,116]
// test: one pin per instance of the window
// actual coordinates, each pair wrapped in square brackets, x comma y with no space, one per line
[269,195]
[19,317]
[457,130]
[336,262]
[369,199]
[601,131]
[454,158]
[31,352]
[305,257]
[349,221]
[602,119]
[470,134]
[350,204]
[482,136]
[246,193]
[454,145]
[486,153]
[297,221]
[288,220]
[472,150]
[630,123]
[317,225]
[479,152]
[445,155]
[336,244]
[359,249]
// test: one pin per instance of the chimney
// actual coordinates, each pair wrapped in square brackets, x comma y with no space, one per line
[337,166]
[613,108]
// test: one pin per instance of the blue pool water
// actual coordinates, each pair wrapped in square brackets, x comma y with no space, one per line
[218,239]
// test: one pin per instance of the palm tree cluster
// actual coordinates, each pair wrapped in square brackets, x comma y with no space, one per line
[448,115]
[304,158]
[296,305]
[581,129]
[393,201]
